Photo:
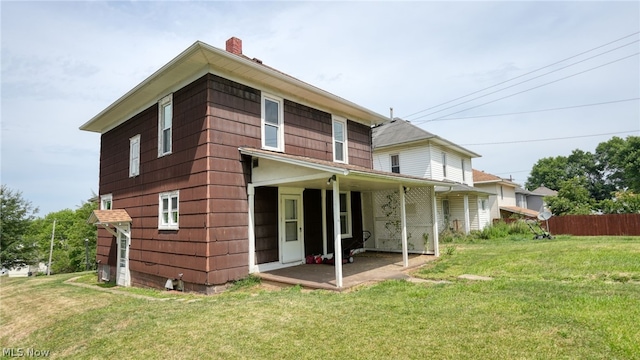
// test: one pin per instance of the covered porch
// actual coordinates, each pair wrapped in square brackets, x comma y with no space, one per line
[300,206]
[367,268]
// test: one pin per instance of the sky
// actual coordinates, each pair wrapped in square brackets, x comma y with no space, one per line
[64,62]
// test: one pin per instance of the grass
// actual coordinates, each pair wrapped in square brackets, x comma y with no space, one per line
[567,298]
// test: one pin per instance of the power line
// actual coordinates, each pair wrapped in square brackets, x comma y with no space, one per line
[525,74]
[540,110]
[533,88]
[550,139]
[525,81]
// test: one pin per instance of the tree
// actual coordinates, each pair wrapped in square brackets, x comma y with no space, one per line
[69,243]
[620,161]
[573,198]
[549,171]
[624,202]
[16,215]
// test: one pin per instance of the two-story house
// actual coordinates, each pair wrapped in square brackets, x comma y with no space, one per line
[403,148]
[509,199]
[217,166]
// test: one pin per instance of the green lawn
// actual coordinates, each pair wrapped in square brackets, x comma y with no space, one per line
[570,298]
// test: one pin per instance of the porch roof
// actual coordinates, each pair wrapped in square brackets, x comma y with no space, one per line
[351,176]
[461,188]
[520,211]
[106,217]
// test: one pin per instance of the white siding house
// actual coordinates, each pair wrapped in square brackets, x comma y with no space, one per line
[503,204]
[399,146]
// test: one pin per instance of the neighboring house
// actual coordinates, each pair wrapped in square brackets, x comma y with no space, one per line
[217,166]
[535,199]
[522,196]
[401,147]
[26,270]
[506,203]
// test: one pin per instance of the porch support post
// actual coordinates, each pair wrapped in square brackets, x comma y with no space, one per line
[252,233]
[323,206]
[337,246]
[403,224]
[436,245]
[467,226]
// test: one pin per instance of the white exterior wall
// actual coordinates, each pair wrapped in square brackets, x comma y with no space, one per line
[484,216]
[509,198]
[454,165]
[413,161]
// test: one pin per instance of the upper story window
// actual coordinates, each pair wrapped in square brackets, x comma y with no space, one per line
[464,177]
[339,140]
[165,125]
[501,193]
[444,164]
[106,202]
[134,156]
[345,214]
[395,164]
[168,214]
[272,123]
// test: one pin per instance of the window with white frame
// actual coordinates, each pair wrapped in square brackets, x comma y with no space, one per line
[446,212]
[168,217]
[272,123]
[106,202]
[501,193]
[165,125]
[134,156]
[339,140]
[444,164]
[483,204]
[462,167]
[345,214]
[395,164]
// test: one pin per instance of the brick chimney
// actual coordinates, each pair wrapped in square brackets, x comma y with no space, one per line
[234,46]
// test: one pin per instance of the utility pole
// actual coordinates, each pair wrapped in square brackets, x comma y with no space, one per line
[53,234]
[86,250]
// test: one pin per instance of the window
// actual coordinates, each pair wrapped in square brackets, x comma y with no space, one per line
[134,156]
[345,214]
[483,204]
[106,202]
[395,164]
[444,164]
[272,123]
[168,214]
[462,167]
[339,140]
[501,193]
[446,212]
[165,125]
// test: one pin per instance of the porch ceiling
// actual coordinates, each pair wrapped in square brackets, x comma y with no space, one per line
[277,169]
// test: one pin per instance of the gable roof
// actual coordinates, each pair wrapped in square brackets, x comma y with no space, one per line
[544,191]
[520,211]
[199,59]
[399,132]
[481,177]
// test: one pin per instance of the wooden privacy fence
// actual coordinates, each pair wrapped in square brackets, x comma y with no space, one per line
[588,225]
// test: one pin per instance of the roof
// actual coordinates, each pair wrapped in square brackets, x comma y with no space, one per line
[520,190]
[400,132]
[344,170]
[520,211]
[481,177]
[544,191]
[109,216]
[201,58]
[463,189]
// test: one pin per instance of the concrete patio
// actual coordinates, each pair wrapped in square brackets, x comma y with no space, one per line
[368,267]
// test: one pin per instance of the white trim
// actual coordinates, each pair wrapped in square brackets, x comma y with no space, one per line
[134,156]
[323,206]
[279,126]
[104,198]
[349,215]
[162,103]
[337,239]
[434,212]
[403,224]
[345,140]
[397,156]
[171,224]
[251,231]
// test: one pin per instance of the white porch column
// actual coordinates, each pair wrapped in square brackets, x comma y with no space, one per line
[337,246]
[403,224]
[323,206]
[467,226]
[436,245]
[252,232]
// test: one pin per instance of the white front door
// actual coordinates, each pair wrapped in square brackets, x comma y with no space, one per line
[291,232]
[122,273]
